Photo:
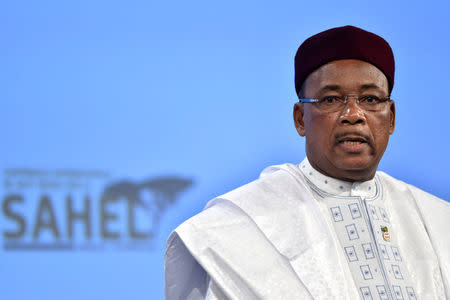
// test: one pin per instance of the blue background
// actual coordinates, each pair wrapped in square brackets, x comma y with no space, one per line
[198,89]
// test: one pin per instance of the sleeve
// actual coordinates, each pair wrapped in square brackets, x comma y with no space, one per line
[214,292]
[224,243]
[435,215]
[184,277]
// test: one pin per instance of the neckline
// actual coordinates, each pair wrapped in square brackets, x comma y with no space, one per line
[327,186]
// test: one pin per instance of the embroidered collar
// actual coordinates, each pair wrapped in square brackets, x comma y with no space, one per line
[329,186]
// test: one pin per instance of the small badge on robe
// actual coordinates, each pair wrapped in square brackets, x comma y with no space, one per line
[386,234]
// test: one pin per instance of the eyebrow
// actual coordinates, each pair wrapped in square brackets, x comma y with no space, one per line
[335,87]
[369,86]
[330,87]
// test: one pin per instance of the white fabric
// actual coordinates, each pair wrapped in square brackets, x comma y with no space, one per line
[356,213]
[271,239]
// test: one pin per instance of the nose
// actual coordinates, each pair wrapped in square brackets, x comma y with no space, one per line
[352,114]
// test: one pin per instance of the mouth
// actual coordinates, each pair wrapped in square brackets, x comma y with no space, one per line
[352,143]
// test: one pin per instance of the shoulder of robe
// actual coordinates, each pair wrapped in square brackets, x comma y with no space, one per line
[434,212]
[391,183]
[264,220]
[278,187]
[422,198]
[435,216]
[277,202]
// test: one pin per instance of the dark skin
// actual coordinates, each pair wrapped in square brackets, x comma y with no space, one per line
[346,144]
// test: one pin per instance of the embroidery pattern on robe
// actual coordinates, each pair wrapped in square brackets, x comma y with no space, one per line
[362,223]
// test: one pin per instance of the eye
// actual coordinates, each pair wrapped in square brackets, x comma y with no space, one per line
[370,99]
[327,100]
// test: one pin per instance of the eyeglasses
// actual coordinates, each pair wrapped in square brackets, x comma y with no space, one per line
[337,103]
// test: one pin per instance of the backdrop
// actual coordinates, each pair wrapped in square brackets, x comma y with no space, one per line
[119,120]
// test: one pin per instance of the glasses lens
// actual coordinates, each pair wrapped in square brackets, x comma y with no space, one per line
[335,103]
[371,103]
[331,103]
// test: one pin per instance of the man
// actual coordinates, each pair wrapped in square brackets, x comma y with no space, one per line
[331,227]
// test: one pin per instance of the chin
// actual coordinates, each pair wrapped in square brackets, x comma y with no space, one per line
[355,164]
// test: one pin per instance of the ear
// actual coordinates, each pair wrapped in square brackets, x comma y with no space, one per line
[298,118]
[392,117]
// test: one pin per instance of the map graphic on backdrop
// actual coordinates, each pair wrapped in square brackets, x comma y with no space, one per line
[83,209]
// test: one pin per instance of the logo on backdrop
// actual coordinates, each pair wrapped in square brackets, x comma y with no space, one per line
[83,209]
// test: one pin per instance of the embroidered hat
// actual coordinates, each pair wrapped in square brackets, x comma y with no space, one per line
[347,42]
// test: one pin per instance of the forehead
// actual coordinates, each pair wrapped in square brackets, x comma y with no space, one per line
[347,74]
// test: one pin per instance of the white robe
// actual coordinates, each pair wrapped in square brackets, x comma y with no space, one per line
[270,239]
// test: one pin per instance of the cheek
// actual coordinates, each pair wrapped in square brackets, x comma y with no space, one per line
[319,127]
[323,123]
[380,126]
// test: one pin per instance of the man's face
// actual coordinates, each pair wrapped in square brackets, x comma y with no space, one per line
[347,144]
